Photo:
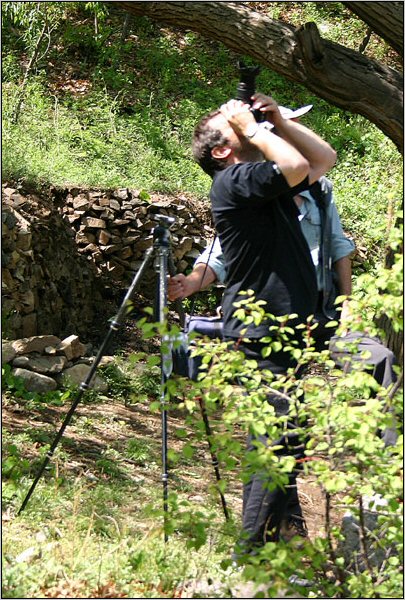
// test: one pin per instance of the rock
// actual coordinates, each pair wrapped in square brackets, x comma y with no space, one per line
[78,373]
[80,203]
[115,205]
[71,347]
[35,382]
[122,193]
[351,548]
[24,239]
[7,352]
[36,343]
[103,237]
[106,360]
[85,238]
[41,364]
[27,300]
[29,324]
[28,555]
[94,223]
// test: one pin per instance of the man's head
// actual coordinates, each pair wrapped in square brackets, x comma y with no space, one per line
[216,145]
[205,139]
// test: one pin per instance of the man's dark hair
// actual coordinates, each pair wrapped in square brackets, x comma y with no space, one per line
[205,138]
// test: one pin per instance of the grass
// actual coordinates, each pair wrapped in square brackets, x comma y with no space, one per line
[94,524]
[129,123]
[96,538]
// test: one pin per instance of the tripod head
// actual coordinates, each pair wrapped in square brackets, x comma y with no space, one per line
[161,234]
[164,220]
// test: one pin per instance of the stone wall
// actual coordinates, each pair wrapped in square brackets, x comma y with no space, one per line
[68,252]
[114,228]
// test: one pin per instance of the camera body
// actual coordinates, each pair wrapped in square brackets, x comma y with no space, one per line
[246,88]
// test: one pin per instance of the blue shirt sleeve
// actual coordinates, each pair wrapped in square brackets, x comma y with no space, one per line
[310,220]
[213,256]
[340,244]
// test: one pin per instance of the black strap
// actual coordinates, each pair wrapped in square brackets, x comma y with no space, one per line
[322,199]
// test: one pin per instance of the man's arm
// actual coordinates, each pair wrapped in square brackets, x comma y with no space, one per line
[319,154]
[182,286]
[214,258]
[343,270]
[290,161]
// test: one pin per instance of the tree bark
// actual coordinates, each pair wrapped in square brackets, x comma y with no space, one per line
[342,76]
[386,19]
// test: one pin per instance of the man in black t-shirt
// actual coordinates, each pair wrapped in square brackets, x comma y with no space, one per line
[255,176]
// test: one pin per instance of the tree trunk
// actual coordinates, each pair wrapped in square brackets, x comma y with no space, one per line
[342,76]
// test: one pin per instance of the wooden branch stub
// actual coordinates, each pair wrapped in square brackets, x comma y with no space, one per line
[310,44]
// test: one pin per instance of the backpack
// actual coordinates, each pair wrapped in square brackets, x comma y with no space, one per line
[183,363]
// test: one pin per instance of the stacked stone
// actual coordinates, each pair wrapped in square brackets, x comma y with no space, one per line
[45,363]
[114,229]
[17,255]
[64,254]
[46,286]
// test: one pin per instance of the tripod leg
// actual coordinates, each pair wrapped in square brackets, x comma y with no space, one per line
[165,360]
[214,458]
[115,324]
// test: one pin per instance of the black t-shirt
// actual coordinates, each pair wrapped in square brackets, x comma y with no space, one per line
[257,224]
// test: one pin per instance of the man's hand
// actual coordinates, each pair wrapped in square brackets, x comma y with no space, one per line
[293,165]
[180,286]
[269,107]
[346,318]
[349,321]
[238,115]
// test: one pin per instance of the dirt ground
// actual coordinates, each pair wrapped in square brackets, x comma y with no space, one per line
[114,424]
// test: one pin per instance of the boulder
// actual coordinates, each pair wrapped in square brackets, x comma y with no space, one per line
[35,382]
[36,343]
[78,373]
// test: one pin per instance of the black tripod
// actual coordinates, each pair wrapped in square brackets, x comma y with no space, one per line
[161,250]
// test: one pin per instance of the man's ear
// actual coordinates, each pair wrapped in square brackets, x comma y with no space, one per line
[221,152]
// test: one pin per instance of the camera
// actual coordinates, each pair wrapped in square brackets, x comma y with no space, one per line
[246,88]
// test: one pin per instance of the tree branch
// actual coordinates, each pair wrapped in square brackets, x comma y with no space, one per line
[342,76]
[386,19]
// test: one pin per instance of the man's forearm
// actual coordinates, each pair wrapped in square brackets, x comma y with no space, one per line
[201,277]
[293,165]
[343,269]
[317,151]
[182,286]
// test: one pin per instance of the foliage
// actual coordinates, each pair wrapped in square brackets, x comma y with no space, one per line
[370,306]
[16,386]
[120,112]
[126,384]
[343,414]
[96,512]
